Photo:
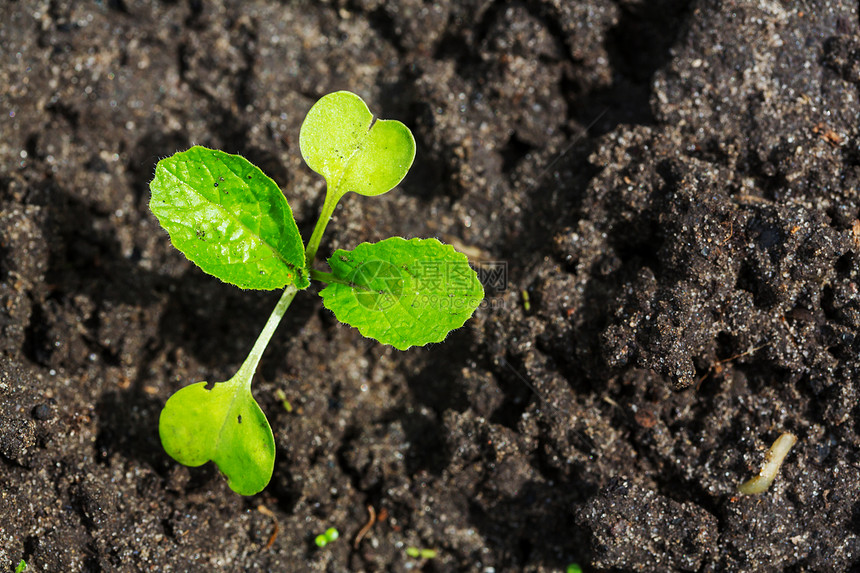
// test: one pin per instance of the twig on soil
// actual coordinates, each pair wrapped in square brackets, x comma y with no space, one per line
[364,530]
[717,367]
[731,232]
[266,511]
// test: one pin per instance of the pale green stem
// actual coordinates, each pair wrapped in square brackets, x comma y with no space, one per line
[246,372]
[331,199]
[249,367]
[327,278]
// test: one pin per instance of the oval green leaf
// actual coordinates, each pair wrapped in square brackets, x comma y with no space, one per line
[229,218]
[341,141]
[224,425]
[403,292]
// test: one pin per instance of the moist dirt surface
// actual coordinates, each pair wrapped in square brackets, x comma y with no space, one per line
[662,199]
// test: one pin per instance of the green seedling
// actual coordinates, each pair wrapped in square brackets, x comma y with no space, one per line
[323,539]
[234,222]
[772,462]
[416,553]
[281,395]
[573,568]
[22,565]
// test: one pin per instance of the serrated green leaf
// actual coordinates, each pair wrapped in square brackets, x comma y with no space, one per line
[229,218]
[224,425]
[403,292]
[340,141]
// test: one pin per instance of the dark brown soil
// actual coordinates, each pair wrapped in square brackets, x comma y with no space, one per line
[675,184]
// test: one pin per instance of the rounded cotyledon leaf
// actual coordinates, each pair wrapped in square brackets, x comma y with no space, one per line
[403,292]
[224,425]
[341,141]
[229,218]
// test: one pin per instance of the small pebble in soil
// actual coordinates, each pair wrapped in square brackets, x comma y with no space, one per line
[42,412]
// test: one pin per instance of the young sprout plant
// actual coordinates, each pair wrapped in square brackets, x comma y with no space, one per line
[772,462]
[418,553]
[234,222]
[323,539]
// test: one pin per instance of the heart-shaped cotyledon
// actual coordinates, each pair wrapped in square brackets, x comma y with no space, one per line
[341,141]
[223,424]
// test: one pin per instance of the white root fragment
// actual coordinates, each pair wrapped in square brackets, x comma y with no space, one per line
[772,461]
